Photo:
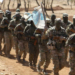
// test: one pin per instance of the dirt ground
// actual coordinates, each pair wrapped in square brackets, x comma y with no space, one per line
[10,66]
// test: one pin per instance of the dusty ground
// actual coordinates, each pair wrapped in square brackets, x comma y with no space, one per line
[11,66]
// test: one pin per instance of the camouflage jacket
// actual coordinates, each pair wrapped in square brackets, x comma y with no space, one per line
[70,29]
[51,24]
[65,25]
[5,23]
[52,33]
[70,43]
[19,31]
[13,23]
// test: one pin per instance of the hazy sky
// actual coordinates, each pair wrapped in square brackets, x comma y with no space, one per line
[1,0]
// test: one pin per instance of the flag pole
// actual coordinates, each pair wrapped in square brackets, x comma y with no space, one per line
[43,10]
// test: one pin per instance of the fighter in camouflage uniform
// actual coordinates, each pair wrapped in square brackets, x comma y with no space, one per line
[52,22]
[1,30]
[65,22]
[22,41]
[57,37]
[12,25]
[7,34]
[71,28]
[44,52]
[70,43]
[32,44]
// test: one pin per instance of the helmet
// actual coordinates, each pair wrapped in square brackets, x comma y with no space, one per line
[17,10]
[65,15]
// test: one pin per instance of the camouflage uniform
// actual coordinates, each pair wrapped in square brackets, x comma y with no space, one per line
[22,41]
[1,31]
[32,44]
[4,24]
[71,43]
[7,33]
[44,54]
[70,29]
[65,24]
[12,25]
[57,49]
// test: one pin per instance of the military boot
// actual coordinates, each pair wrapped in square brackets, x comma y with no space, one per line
[38,69]
[18,58]
[0,52]
[24,60]
[44,71]
[30,64]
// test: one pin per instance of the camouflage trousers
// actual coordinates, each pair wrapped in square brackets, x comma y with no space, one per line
[58,60]
[8,42]
[66,53]
[45,57]
[33,53]
[15,42]
[72,63]
[22,45]
[1,37]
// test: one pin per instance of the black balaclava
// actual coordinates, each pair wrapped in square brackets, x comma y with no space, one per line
[65,19]
[8,14]
[17,17]
[53,17]
[58,23]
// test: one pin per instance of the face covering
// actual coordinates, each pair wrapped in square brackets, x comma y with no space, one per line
[65,19]
[53,19]
[9,16]
[58,24]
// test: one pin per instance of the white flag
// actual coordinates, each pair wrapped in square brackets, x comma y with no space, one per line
[38,19]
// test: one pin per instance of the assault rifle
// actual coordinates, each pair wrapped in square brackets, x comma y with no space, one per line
[72,30]
[60,37]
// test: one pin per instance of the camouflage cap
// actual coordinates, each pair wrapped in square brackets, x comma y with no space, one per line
[65,15]
[17,13]
[58,20]
[1,11]
[17,10]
